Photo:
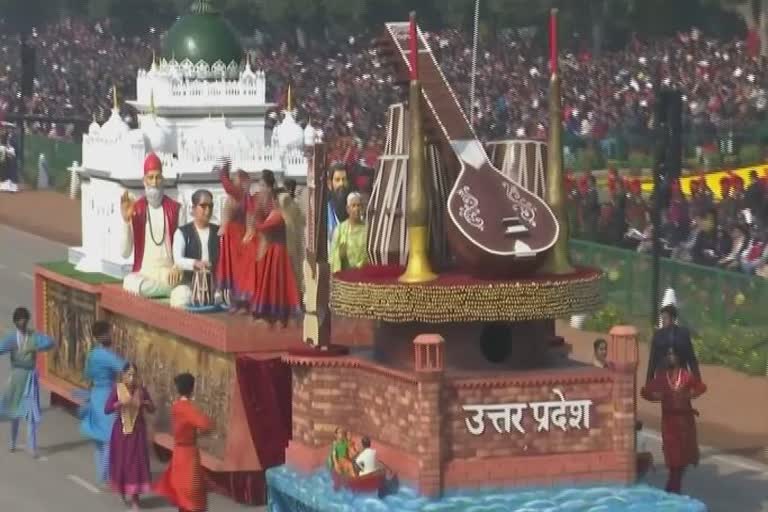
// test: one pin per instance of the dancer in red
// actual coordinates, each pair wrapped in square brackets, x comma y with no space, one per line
[236,272]
[277,293]
[675,388]
[183,483]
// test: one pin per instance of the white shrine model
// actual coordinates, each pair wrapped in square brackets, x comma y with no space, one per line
[200,102]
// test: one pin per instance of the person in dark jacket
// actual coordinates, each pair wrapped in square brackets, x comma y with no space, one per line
[671,335]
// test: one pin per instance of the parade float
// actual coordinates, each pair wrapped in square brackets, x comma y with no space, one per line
[466,394]
[199,101]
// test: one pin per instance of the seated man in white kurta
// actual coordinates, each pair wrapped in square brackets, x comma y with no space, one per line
[150,223]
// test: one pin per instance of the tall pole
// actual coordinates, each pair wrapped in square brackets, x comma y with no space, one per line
[473,78]
[660,190]
[22,107]
[419,269]
[558,259]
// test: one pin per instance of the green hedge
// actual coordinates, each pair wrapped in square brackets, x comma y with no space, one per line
[724,310]
[60,155]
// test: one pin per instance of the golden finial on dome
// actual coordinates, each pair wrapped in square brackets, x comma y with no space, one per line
[114,98]
[288,101]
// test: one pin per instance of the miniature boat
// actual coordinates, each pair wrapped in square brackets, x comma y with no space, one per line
[370,483]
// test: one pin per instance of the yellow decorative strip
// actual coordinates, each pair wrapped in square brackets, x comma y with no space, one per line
[485,301]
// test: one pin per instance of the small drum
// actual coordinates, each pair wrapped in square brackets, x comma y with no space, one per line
[201,288]
[523,161]
[387,208]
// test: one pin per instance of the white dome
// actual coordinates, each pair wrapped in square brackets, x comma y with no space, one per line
[156,136]
[290,133]
[115,126]
[309,135]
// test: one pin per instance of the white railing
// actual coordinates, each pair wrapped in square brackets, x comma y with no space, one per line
[249,90]
[124,159]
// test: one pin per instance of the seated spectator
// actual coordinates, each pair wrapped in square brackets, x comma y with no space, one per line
[756,255]
[739,242]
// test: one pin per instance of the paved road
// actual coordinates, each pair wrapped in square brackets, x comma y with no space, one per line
[62,480]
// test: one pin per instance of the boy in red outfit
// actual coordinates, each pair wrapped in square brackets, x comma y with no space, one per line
[183,483]
[675,387]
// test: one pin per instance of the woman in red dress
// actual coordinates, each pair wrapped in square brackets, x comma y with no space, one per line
[236,272]
[277,293]
[675,388]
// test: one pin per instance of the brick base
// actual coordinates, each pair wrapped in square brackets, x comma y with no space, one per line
[542,470]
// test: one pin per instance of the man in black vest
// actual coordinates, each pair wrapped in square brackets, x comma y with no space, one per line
[196,244]
[669,335]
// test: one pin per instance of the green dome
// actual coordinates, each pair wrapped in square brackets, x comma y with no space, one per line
[203,34]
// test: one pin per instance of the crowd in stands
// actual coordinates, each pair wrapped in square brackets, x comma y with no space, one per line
[731,233]
[344,88]
[77,64]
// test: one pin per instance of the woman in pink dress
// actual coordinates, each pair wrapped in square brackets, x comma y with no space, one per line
[129,473]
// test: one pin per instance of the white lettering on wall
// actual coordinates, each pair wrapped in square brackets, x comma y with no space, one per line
[561,413]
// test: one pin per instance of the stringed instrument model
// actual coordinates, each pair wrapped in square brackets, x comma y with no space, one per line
[494,226]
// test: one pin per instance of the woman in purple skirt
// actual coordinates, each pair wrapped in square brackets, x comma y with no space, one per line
[129,456]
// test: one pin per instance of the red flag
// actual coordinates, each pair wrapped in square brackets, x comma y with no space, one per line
[413,47]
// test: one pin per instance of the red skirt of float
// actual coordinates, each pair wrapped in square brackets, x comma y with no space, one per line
[236,270]
[277,294]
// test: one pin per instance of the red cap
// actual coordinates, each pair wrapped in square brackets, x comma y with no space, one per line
[152,163]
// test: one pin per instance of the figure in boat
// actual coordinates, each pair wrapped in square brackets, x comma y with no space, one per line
[150,224]
[340,458]
[357,468]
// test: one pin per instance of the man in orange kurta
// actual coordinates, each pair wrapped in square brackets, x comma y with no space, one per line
[183,483]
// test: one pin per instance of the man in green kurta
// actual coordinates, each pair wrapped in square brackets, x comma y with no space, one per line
[348,249]
[21,399]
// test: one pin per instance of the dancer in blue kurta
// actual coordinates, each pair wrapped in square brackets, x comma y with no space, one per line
[102,369]
[21,400]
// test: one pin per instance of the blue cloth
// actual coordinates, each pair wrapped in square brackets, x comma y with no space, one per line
[333,221]
[31,435]
[102,368]
[21,399]
[101,461]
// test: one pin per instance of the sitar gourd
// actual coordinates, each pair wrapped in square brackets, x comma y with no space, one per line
[494,225]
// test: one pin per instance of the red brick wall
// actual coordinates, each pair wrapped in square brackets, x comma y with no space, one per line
[493,444]
[419,429]
[364,402]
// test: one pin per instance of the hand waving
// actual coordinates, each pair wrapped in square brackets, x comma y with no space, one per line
[127,204]
[224,164]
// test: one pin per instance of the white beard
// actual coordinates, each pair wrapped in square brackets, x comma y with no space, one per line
[154,196]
